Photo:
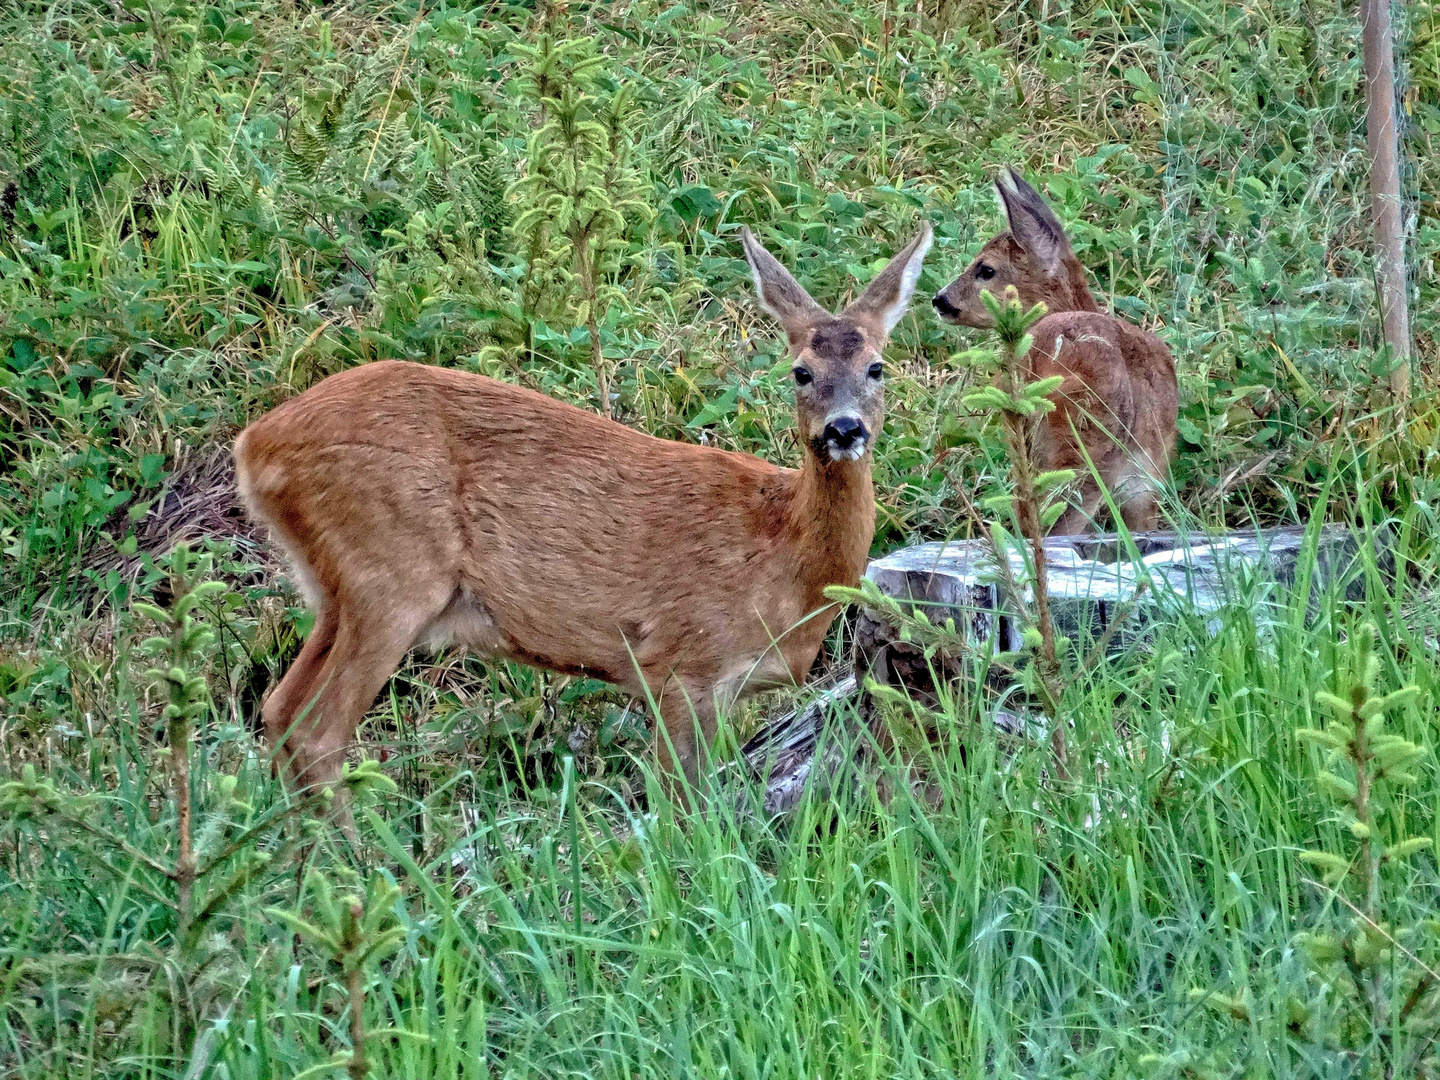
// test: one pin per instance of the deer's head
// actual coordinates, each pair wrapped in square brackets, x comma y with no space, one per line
[1033,255]
[838,371]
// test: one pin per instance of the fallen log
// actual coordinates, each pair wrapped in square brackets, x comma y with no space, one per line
[784,749]
[1103,592]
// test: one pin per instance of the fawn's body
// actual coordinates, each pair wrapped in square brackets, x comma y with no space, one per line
[423,504]
[1119,400]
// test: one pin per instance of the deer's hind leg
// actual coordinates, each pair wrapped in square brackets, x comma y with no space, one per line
[1141,513]
[1138,493]
[369,645]
[288,703]
[1066,439]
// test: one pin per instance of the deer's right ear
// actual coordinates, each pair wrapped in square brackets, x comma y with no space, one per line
[780,294]
[1033,225]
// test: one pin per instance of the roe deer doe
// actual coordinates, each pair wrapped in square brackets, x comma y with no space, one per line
[1119,399]
[424,504]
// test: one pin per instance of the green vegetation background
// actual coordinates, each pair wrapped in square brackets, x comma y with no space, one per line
[207,206]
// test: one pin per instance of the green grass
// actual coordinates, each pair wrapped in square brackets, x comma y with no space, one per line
[206,207]
[1018,928]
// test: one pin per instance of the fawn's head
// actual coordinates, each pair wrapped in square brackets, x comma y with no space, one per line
[1033,255]
[838,372]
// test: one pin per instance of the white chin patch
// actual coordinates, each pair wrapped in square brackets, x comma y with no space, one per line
[853,452]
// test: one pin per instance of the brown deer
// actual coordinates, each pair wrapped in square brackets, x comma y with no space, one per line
[421,504]
[1119,400]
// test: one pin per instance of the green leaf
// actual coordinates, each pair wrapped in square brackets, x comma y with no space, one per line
[1391,752]
[365,776]
[723,406]
[987,399]
[150,611]
[152,469]
[843,594]
[1190,433]
[1043,388]
[1400,698]
[1235,1006]
[338,1062]
[308,930]
[694,202]
[1322,947]
[1338,788]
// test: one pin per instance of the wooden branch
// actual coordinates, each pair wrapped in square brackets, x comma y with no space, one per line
[1386,211]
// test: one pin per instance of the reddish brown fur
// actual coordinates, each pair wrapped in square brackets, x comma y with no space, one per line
[422,503]
[1119,393]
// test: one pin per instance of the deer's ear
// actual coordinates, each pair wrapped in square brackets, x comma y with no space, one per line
[1033,225]
[885,299]
[780,294]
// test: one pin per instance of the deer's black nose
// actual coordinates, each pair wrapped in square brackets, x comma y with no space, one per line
[844,432]
[943,306]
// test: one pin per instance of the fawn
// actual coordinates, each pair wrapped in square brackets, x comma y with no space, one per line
[421,504]
[1119,401]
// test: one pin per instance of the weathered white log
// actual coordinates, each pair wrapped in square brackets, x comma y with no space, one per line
[1091,587]
[1091,583]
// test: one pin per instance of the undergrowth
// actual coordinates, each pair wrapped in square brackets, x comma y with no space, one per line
[206,207]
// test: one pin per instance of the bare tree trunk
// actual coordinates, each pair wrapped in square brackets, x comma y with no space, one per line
[1385,206]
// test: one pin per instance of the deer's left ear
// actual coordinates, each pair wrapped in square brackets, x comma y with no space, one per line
[885,299]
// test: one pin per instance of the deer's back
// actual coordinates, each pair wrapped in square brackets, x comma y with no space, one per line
[436,479]
[1119,380]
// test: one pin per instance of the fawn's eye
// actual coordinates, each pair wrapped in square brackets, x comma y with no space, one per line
[877,370]
[984,271]
[802,376]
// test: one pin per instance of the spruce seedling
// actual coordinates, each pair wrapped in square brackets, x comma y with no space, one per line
[579,191]
[181,649]
[351,931]
[1363,761]
[1030,503]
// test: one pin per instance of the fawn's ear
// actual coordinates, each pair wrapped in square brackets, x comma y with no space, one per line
[885,299]
[1033,225]
[780,294]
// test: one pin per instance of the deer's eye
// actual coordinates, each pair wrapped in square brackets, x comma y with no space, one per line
[877,370]
[984,271]
[802,376]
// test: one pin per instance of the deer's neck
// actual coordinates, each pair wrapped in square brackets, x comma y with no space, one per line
[1072,288]
[831,523]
